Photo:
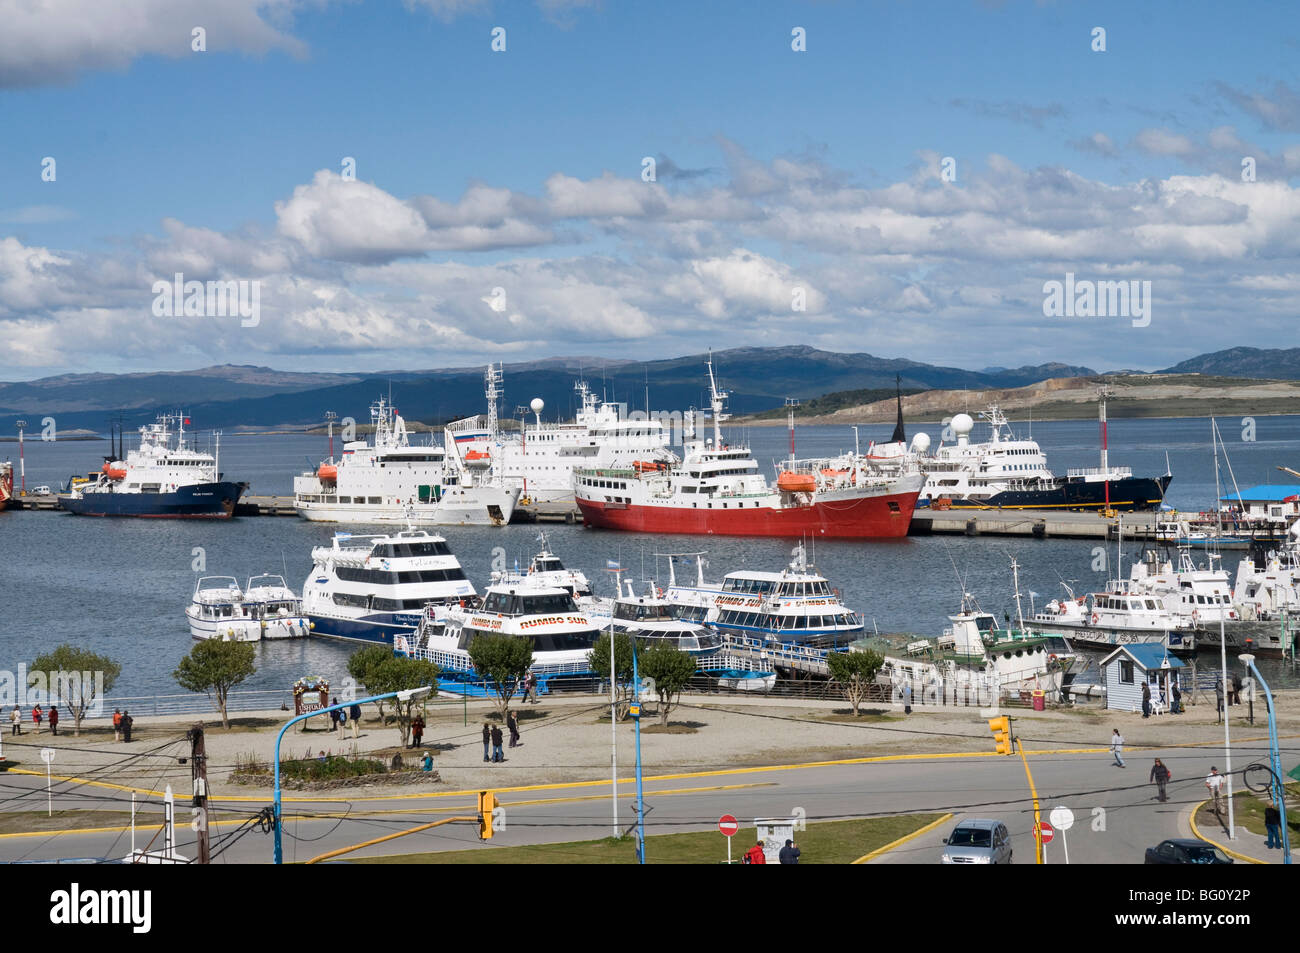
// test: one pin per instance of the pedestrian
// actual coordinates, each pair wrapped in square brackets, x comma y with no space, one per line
[16,721]
[1160,775]
[530,681]
[54,719]
[1214,784]
[789,853]
[334,718]
[512,722]
[1146,700]
[427,764]
[1273,824]
[321,757]
[1218,697]
[354,716]
[907,699]
[1236,689]
[755,854]
[487,741]
[1117,746]
[117,724]
[36,717]
[497,753]
[1178,700]
[127,722]
[343,722]
[417,731]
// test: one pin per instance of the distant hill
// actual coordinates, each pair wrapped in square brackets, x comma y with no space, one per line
[1279,364]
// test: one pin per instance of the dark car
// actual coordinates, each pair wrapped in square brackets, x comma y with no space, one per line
[1186,850]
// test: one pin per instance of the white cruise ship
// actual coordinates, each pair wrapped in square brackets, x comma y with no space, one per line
[391,481]
[370,588]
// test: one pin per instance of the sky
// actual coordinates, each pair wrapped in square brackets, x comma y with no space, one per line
[637,180]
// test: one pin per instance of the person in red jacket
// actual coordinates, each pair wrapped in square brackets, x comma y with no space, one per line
[755,854]
[54,719]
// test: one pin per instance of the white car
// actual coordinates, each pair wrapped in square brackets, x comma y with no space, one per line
[42,491]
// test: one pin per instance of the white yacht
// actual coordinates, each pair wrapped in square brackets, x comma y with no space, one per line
[1115,617]
[370,588]
[266,608]
[546,569]
[794,605]
[391,481]
[1195,596]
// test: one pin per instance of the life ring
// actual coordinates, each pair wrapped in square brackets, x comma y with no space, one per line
[1095,618]
[1196,615]
[1051,658]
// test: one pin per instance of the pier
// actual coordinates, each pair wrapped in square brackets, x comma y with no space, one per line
[1043,524]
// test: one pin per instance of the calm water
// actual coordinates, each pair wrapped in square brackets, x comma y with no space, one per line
[121,586]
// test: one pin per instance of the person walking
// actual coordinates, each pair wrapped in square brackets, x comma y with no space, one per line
[487,741]
[343,722]
[512,722]
[497,738]
[354,716]
[1160,775]
[789,853]
[36,717]
[530,680]
[1214,784]
[1235,698]
[907,699]
[1117,746]
[417,731]
[127,722]
[16,721]
[334,718]
[1177,709]
[117,724]
[54,719]
[1146,700]
[1218,697]
[1273,824]
[755,855]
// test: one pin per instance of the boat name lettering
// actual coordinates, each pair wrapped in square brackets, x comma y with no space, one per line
[735,601]
[548,620]
[482,623]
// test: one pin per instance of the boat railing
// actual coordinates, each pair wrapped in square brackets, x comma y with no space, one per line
[1119,473]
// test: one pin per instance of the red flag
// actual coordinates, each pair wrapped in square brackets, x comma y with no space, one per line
[187,421]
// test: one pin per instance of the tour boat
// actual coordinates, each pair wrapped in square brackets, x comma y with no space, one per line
[546,569]
[265,608]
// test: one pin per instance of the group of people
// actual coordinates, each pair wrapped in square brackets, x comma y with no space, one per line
[494,738]
[789,854]
[1233,693]
[1176,708]
[527,687]
[39,715]
[340,717]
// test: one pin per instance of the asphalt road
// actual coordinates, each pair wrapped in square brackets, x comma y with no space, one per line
[1116,813]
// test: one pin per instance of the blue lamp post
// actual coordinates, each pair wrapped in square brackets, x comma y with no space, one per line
[1274,756]
[402,696]
[640,794]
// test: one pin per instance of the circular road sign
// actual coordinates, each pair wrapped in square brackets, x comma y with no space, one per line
[728,825]
[1062,818]
[1047,832]
[47,755]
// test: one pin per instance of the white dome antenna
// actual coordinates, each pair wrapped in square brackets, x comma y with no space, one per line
[537,404]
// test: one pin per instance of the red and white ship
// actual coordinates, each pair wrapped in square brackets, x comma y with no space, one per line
[6,483]
[717,489]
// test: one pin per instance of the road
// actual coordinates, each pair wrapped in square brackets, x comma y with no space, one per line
[1117,815]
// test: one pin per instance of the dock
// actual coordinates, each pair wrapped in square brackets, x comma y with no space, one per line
[265,506]
[1042,524]
[564,511]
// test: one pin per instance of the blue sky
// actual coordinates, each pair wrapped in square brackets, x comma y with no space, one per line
[522,170]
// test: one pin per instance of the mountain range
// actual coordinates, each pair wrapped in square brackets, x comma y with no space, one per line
[759,379]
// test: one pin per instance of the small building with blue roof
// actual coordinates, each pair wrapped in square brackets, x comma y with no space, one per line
[1276,501]
[1125,670]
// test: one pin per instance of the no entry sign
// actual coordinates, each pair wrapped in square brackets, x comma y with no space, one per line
[728,825]
[1047,832]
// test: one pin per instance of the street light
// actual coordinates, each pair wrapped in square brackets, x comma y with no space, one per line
[1274,755]
[406,695]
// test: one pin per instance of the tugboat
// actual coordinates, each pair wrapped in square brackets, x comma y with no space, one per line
[158,480]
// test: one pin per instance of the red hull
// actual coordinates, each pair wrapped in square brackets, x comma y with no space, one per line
[862,518]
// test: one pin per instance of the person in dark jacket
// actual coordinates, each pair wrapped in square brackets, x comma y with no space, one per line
[1146,700]
[487,741]
[1273,824]
[1178,700]
[127,722]
[1160,775]
[54,719]
[354,716]
[1235,698]
[789,853]
[417,731]
[512,722]
[497,738]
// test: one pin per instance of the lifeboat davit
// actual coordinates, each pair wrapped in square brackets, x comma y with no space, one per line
[789,482]
[327,472]
[478,459]
[114,473]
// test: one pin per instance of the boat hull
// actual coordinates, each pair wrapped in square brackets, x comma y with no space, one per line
[376,629]
[199,501]
[1110,637]
[483,507]
[1131,495]
[886,516]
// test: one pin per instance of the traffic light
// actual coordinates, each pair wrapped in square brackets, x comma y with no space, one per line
[487,804]
[1001,728]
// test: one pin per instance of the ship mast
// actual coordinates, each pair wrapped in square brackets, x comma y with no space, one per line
[1105,458]
[790,404]
[717,399]
[492,387]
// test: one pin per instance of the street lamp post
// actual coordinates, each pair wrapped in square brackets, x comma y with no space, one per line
[1274,756]
[640,793]
[402,696]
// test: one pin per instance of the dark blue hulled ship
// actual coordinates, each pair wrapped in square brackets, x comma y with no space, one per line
[162,478]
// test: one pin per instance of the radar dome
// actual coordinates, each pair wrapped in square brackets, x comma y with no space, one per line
[537,405]
[921,443]
[962,424]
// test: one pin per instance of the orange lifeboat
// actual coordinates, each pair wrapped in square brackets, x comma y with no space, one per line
[327,472]
[789,482]
[478,458]
[646,466]
[114,473]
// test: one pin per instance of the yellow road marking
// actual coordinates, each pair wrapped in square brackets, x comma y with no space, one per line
[1231,853]
[868,858]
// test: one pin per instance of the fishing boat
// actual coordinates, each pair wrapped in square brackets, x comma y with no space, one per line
[266,608]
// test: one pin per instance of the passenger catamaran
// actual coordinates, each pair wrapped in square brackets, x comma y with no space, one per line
[391,481]
[717,489]
[266,608]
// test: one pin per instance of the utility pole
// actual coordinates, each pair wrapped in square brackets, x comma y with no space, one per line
[22,462]
[199,774]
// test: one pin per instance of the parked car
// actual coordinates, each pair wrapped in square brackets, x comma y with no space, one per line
[977,841]
[43,491]
[1186,850]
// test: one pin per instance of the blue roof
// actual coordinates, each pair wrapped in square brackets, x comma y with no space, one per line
[1266,493]
[1147,655]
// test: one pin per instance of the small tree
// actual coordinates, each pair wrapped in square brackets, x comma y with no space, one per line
[215,667]
[502,660]
[598,659]
[361,663]
[856,673]
[671,668]
[398,674]
[77,677]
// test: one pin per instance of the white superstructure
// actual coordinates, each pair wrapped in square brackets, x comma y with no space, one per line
[266,608]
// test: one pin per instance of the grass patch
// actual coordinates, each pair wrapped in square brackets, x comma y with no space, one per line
[1248,812]
[830,842]
[674,728]
[331,768]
